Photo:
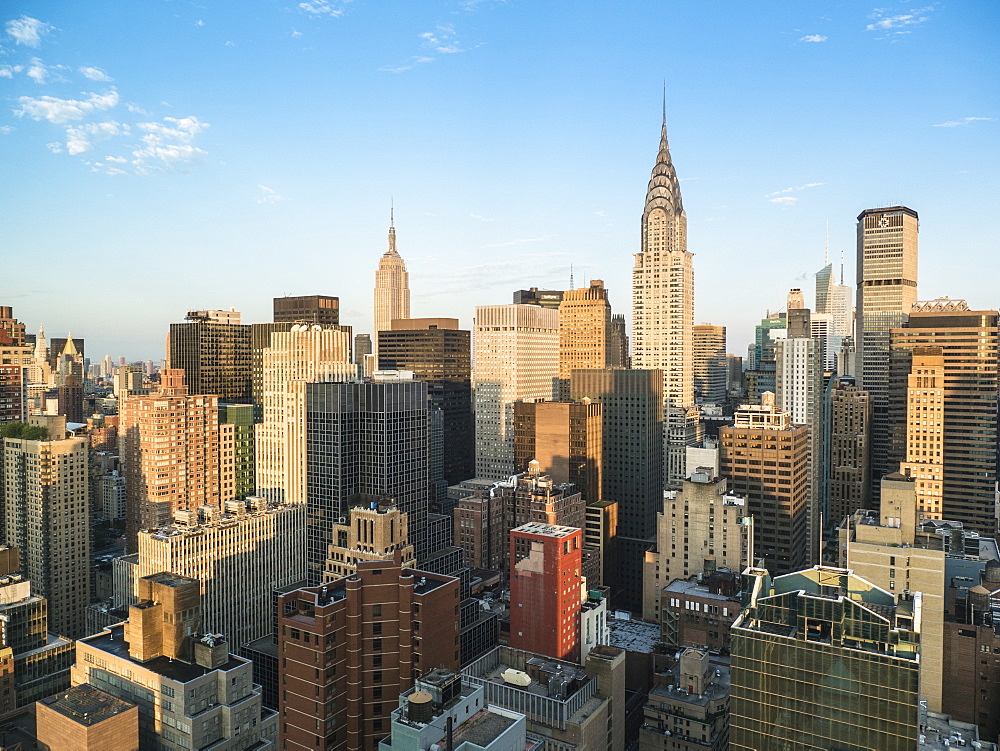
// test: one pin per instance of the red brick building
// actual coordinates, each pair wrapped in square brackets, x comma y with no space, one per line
[545,589]
[349,648]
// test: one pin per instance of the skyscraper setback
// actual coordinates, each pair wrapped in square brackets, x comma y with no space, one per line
[663,308]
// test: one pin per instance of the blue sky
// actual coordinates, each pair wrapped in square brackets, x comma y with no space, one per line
[166,156]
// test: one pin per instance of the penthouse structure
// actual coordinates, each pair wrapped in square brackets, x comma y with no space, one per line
[87,719]
[371,533]
[319,309]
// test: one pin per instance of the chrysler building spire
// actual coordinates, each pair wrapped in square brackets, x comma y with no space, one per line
[663,307]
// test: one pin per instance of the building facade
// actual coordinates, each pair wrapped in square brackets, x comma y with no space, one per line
[319,309]
[392,287]
[709,362]
[663,308]
[850,441]
[565,438]
[517,358]
[212,347]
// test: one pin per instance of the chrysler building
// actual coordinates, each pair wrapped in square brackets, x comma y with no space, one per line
[663,309]
[392,287]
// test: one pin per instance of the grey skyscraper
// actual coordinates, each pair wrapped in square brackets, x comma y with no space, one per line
[663,308]
[887,288]
[363,440]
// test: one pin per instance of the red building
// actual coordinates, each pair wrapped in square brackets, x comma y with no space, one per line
[350,647]
[546,589]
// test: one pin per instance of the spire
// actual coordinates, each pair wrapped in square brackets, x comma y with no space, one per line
[664,191]
[663,126]
[826,252]
[391,250]
[41,346]
[69,348]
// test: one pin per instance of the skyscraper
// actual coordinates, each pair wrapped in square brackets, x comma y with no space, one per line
[709,361]
[212,347]
[663,308]
[850,433]
[438,352]
[392,287]
[320,309]
[924,458]
[585,331]
[887,288]
[365,440]
[517,357]
[968,340]
[565,439]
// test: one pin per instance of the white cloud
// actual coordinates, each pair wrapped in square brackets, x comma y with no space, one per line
[8,71]
[784,200]
[813,38]
[168,144]
[137,109]
[199,22]
[442,40]
[268,195]
[28,31]
[57,110]
[330,8]
[81,138]
[37,71]
[296,34]
[414,61]
[894,26]
[963,121]
[6,129]
[230,44]
[55,147]
[601,213]
[116,159]
[795,189]
[482,218]
[95,74]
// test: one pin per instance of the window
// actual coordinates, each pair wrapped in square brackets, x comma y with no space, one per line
[377,628]
[376,611]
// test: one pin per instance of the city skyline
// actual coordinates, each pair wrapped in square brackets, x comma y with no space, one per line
[294,127]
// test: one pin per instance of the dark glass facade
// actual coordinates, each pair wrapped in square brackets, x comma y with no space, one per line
[215,358]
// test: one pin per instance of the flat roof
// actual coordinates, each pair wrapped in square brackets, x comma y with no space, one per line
[482,728]
[692,587]
[549,530]
[634,636]
[87,705]
[112,641]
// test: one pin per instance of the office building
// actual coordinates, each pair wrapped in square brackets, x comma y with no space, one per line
[191,692]
[33,662]
[318,309]
[968,343]
[237,460]
[663,308]
[766,459]
[212,347]
[700,611]
[441,711]
[365,439]
[46,515]
[169,445]
[362,348]
[544,298]
[886,290]
[436,351]
[371,533]
[239,555]
[923,461]
[566,706]
[822,658]
[303,354]
[587,337]
[373,633]
[15,359]
[392,287]
[545,590]
[709,362]
[761,375]
[599,534]
[517,358]
[565,438]
[699,530]
[850,440]
[87,719]
[632,445]
[690,711]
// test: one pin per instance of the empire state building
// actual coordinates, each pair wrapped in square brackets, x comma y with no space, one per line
[392,287]
[663,309]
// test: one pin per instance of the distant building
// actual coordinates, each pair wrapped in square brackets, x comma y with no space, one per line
[822,658]
[700,611]
[320,309]
[544,298]
[565,438]
[710,366]
[212,347]
[588,338]
[850,440]
[392,287]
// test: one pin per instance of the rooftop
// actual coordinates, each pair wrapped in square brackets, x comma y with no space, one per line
[694,587]
[482,728]
[87,705]
[634,636]
[112,641]
[714,691]
[548,530]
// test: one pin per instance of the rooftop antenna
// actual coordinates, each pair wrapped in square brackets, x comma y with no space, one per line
[571,286]
[392,210]
[841,267]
